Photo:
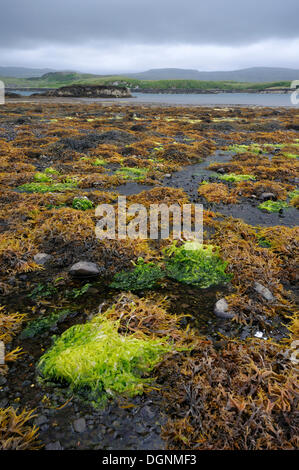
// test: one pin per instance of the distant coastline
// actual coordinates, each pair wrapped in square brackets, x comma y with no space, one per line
[199,91]
[209,91]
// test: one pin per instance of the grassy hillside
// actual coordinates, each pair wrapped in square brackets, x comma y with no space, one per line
[58,79]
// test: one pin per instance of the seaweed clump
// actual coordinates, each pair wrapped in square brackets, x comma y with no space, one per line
[82,203]
[144,276]
[196,264]
[243,397]
[10,324]
[273,206]
[232,177]
[15,432]
[94,356]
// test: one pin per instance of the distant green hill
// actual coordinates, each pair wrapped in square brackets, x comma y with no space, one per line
[248,75]
[58,79]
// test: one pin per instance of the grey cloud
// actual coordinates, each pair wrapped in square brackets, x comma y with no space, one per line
[33,23]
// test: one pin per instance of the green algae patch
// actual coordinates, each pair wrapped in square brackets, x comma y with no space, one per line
[253,148]
[51,171]
[144,276]
[43,187]
[99,162]
[291,155]
[95,357]
[82,203]
[43,324]
[132,173]
[232,177]
[294,198]
[196,264]
[42,178]
[273,206]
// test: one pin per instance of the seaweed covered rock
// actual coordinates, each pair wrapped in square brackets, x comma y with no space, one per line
[90,91]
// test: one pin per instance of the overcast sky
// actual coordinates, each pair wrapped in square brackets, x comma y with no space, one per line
[107,36]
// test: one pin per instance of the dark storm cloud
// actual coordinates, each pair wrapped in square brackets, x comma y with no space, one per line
[33,23]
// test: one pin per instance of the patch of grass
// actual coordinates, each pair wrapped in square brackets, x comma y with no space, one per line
[82,203]
[232,177]
[132,173]
[196,264]
[144,276]
[44,187]
[273,206]
[95,357]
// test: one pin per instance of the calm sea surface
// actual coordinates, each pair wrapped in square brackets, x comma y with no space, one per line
[273,99]
[257,99]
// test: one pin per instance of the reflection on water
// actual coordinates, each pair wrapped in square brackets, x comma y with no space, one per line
[258,99]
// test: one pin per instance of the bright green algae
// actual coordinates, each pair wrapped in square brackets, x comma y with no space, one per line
[196,264]
[96,357]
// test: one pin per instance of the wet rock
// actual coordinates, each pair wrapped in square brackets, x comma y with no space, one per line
[42,258]
[268,196]
[4,402]
[41,420]
[221,310]
[79,425]
[3,380]
[84,269]
[263,291]
[54,446]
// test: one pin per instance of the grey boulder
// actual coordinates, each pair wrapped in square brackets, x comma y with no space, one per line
[42,258]
[84,269]
[54,446]
[268,196]
[79,425]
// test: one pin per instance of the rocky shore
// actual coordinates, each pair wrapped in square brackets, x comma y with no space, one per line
[89,91]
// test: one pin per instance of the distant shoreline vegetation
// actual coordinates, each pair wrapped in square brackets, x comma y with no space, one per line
[59,79]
